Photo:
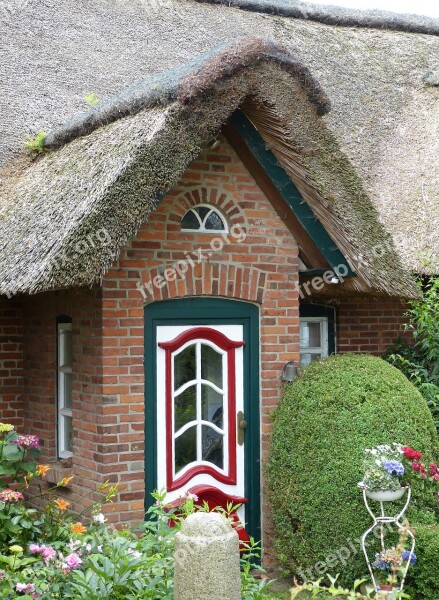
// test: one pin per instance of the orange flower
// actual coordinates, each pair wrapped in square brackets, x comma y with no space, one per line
[42,470]
[64,482]
[61,504]
[78,527]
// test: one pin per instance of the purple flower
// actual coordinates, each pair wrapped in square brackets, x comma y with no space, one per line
[72,561]
[25,587]
[405,556]
[27,441]
[394,466]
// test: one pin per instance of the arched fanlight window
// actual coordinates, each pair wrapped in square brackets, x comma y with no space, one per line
[203,219]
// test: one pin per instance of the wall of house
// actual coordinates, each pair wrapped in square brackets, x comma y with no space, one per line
[258,264]
[369,325]
[40,313]
[11,363]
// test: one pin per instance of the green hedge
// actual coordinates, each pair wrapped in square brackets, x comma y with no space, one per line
[338,407]
[423,580]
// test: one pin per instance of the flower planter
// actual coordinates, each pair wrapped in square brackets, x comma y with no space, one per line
[388,590]
[386,496]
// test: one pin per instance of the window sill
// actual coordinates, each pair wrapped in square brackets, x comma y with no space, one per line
[58,472]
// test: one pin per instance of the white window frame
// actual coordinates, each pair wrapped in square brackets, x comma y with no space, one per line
[202,228]
[64,449]
[323,349]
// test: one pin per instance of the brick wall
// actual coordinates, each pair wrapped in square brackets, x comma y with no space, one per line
[369,325]
[262,268]
[11,363]
[40,378]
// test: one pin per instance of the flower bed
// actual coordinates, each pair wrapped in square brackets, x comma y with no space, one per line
[53,553]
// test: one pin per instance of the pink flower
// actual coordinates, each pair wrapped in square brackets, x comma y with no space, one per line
[48,553]
[27,441]
[11,496]
[26,588]
[433,469]
[72,561]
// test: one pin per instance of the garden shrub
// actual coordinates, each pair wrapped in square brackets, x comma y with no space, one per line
[423,580]
[419,359]
[338,407]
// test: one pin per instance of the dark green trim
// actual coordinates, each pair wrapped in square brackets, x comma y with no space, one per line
[321,310]
[288,190]
[208,311]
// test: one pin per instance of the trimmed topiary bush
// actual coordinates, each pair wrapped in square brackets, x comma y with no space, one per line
[423,580]
[327,417]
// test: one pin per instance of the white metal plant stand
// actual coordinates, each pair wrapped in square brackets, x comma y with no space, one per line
[379,522]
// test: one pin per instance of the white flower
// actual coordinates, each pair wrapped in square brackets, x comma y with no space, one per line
[99,518]
[134,553]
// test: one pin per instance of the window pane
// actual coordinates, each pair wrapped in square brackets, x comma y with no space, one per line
[185,407]
[184,366]
[67,390]
[211,365]
[67,432]
[310,335]
[185,448]
[65,342]
[214,222]
[190,221]
[212,444]
[307,358]
[211,406]
[202,211]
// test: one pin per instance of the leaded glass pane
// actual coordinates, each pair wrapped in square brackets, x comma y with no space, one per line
[214,222]
[211,365]
[185,407]
[184,366]
[202,211]
[211,406]
[212,444]
[185,448]
[190,221]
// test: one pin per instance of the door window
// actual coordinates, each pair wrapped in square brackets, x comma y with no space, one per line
[199,400]
[200,380]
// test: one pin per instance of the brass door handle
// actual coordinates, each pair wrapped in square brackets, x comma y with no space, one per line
[241,426]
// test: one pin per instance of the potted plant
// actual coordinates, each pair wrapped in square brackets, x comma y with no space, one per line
[389,469]
[391,566]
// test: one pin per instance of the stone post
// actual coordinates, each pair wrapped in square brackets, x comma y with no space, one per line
[207,559]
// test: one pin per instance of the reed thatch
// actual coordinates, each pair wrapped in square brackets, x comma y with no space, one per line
[383,122]
[337,15]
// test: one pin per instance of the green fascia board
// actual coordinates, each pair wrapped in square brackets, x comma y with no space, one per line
[288,190]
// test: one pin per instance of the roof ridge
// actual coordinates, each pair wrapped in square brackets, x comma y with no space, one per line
[187,83]
[337,15]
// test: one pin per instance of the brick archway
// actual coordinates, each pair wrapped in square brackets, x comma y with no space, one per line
[204,279]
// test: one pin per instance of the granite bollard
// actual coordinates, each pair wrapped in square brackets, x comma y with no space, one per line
[207,559]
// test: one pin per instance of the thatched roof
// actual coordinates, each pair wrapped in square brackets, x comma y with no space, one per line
[165,56]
